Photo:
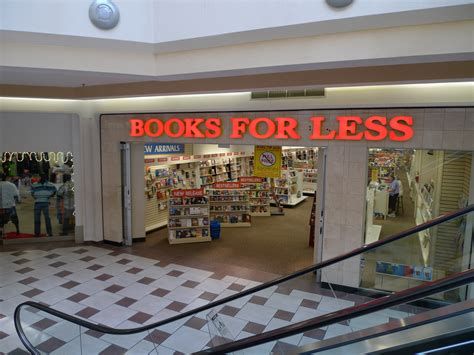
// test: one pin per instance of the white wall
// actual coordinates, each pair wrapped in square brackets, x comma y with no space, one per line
[34,132]
[156,21]
[199,149]
[184,19]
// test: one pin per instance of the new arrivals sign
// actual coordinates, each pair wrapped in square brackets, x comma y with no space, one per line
[349,128]
[164,148]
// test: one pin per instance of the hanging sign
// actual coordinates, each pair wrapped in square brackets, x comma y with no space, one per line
[267,161]
[163,148]
[375,175]
[348,128]
[187,193]
[226,185]
[251,179]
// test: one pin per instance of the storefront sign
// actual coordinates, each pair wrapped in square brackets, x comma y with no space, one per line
[187,193]
[226,185]
[163,148]
[251,179]
[267,161]
[373,128]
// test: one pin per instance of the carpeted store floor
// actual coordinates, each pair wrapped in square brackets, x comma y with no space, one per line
[276,244]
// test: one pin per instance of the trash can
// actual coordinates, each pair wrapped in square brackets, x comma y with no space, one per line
[215,227]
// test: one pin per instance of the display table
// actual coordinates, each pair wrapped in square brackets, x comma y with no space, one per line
[381,203]
[372,233]
[395,283]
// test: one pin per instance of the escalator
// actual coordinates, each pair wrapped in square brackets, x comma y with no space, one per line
[429,310]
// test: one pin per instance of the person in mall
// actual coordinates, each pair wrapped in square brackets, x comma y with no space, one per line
[66,195]
[42,191]
[9,196]
[393,192]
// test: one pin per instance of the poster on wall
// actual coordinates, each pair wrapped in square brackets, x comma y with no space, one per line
[267,161]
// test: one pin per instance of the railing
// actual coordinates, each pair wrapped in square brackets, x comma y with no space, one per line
[412,294]
[278,281]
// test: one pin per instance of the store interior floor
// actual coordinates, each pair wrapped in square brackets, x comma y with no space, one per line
[275,244]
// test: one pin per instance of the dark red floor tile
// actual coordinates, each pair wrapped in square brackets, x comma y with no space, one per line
[196,323]
[208,296]
[284,315]
[70,284]
[140,317]
[103,277]
[157,336]
[28,280]
[160,292]
[125,302]
[258,300]
[134,270]
[175,273]
[229,311]
[43,324]
[63,273]
[146,280]
[114,288]
[78,297]
[87,312]
[24,270]
[32,293]
[236,287]
[57,264]
[254,328]
[176,306]
[95,267]
[50,345]
[190,284]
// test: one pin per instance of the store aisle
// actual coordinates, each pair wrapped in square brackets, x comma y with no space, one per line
[277,244]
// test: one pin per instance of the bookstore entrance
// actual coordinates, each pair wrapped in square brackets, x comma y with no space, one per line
[210,203]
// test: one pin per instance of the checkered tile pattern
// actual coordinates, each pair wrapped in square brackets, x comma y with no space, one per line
[127,291]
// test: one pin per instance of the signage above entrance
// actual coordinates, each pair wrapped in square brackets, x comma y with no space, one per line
[163,148]
[349,128]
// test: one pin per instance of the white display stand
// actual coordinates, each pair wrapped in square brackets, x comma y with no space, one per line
[381,202]
[289,186]
[188,217]
[310,181]
[372,231]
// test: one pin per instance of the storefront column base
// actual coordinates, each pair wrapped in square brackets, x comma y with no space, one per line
[79,234]
[116,244]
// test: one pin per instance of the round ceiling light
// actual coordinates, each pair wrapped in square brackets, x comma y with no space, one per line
[104,14]
[339,3]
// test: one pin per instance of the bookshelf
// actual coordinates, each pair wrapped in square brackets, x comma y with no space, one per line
[229,204]
[259,195]
[188,219]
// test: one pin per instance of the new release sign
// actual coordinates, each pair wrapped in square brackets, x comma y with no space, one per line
[163,148]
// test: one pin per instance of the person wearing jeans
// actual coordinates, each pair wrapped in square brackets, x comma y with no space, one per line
[42,192]
[66,194]
[393,192]
[9,196]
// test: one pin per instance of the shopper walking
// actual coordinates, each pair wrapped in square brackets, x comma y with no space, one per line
[66,195]
[9,195]
[393,192]
[42,192]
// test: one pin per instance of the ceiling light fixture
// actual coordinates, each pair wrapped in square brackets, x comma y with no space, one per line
[339,3]
[104,14]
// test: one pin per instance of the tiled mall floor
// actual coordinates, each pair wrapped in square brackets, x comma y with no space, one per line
[126,291]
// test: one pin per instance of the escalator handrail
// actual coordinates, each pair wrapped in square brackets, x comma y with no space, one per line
[312,268]
[402,297]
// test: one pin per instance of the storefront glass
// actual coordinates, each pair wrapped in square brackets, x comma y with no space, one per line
[36,195]
[408,187]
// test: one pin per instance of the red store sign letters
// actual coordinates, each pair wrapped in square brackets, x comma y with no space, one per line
[373,128]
